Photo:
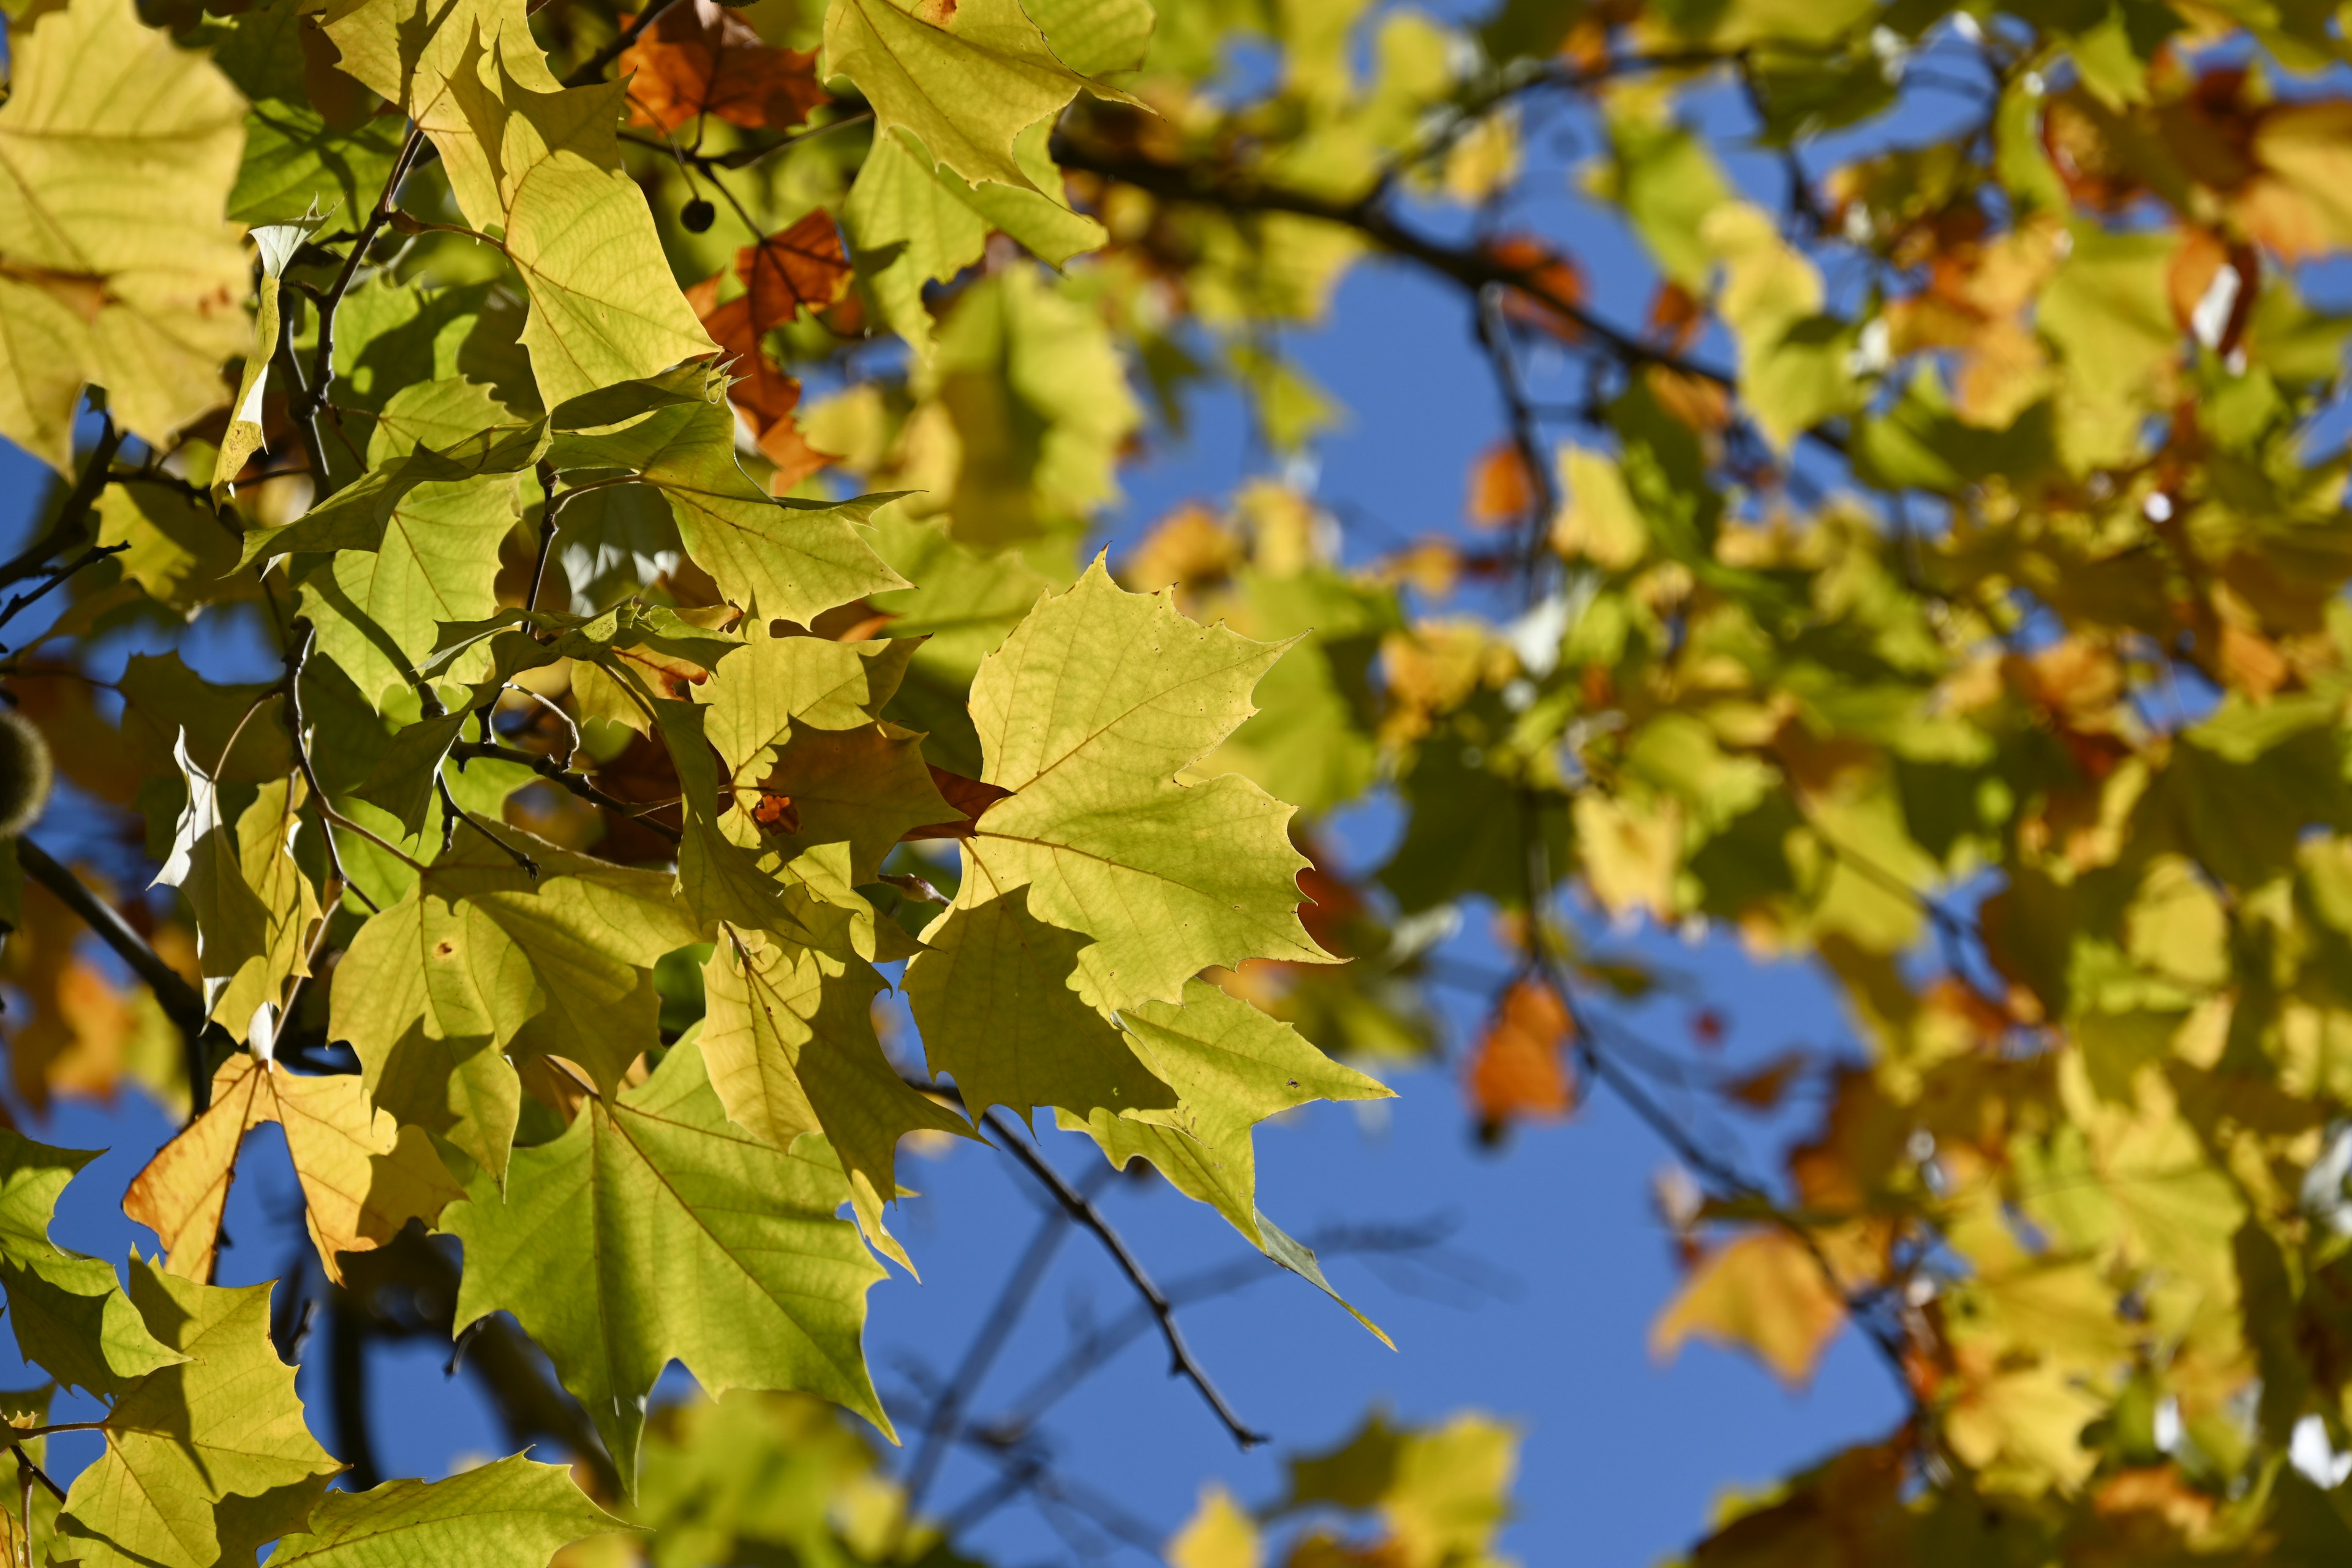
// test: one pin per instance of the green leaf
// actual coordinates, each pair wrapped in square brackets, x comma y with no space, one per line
[653,1230]
[913,223]
[70,1313]
[404,778]
[1041,407]
[776,558]
[358,516]
[223,1423]
[993,991]
[509,1513]
[254,907]
[789,1042]
[296,162]
[965,90]
[117,263]
[1231,1067]
[175,548]
[479,959]
[777,684]
[1095,37]
[1086,714]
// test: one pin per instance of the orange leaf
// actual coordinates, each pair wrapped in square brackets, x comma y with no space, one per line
[1762,1292]
[701,58]
[362,1176]
[1519,1071]
[804,265]
[1500,489]
[970,796]
[1550,288]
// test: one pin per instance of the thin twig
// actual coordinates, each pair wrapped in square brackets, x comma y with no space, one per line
[1180,1358]
[322,360]
[73,515]
[298,656]
[591,69]
[548,507]
[554,773]
[57,574]
[40,1474]
[947,1410]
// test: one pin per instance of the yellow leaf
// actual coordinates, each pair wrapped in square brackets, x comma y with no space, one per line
[362,1176]
[118,263]
[1762,1291]
[1218,1535]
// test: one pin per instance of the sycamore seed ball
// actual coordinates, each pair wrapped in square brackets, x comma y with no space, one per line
[24,772]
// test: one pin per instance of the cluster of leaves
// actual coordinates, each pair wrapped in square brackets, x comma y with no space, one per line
[477,489]
[1942,584]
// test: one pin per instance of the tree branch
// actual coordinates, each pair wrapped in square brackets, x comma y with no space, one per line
[556,774]
[73,516]
[174,996]
[322,360]
[1472,266]
[57,574]
[1180,1358]
[947,1410]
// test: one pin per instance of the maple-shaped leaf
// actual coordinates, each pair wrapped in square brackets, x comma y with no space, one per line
[255,908]
[378,610]
[510,1513]
[915,222]
[1231,1067]
[69,1312]
[604,305]
[778,685]
[802,266]
[761,391]
[799,268]
[655,1230]
[1764,1292]
[539,166]
[118,263]
[699,58]
[480,959]
[1441,1491]
[776,558]
[965,77]
[184,1440]
[994,991]
[1130,883]
[790,1047]
[362,1175]
[795,721]
[358,516]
